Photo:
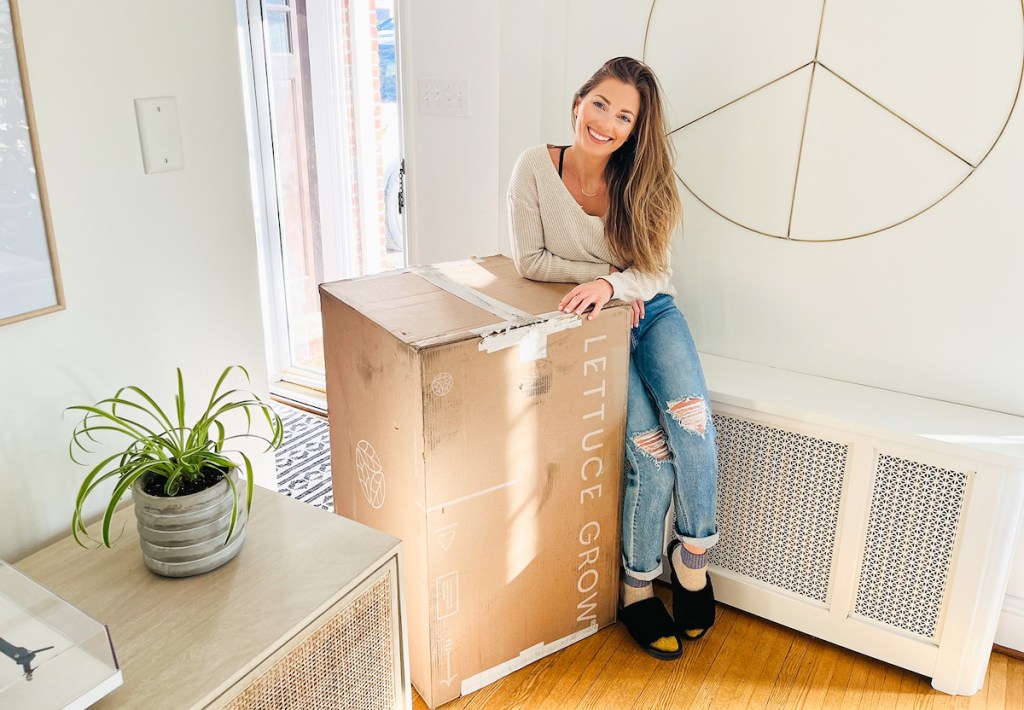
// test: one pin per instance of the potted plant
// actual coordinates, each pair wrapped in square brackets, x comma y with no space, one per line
[184,478]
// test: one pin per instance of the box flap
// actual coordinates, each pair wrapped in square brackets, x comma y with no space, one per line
[422,313]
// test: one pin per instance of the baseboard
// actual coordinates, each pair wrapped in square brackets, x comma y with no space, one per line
[309,406]
[308,399]
[1010,632]
[1011,652]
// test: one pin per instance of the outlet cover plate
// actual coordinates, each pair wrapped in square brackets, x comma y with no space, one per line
[159,134]
[444,97]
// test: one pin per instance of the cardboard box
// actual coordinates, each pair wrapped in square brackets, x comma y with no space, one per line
[486,429]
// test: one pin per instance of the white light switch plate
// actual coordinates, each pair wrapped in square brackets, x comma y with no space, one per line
[159,134]
[444,97]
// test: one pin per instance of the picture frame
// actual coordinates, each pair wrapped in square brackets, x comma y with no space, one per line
[30,283]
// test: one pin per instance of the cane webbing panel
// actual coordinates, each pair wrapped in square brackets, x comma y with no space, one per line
[912,528]
[349,662]
[778,505]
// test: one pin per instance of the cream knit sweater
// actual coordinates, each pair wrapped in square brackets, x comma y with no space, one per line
[553,239]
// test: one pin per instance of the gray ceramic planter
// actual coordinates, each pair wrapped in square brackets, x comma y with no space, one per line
[185,535]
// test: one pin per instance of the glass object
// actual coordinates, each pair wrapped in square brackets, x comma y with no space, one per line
[51,654]
[278,34]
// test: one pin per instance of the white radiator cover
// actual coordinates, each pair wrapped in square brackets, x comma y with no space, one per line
[881,522]
[1010,632]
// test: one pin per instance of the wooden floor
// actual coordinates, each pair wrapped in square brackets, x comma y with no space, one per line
[743,662]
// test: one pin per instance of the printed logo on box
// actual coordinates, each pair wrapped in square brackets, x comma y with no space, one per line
[593,466]
[442,384]
[447,587]
[449,676]
[446,536]
[371,473]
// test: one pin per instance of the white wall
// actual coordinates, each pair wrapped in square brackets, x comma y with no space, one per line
[451,163]
[159,270]
[531,39]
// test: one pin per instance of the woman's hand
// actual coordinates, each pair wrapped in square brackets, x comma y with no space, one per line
[638,312]
[593,293]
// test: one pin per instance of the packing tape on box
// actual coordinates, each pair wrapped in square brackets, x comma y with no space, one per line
[525,658]
[520,328]
[471,295]
[532,338]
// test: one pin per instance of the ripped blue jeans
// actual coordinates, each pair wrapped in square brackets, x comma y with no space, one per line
[670,442]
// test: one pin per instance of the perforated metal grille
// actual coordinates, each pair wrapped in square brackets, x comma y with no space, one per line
[349,662]
[778,505]
[915,516]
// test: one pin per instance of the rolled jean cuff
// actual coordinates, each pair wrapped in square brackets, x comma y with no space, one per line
[702,542]
[641,576]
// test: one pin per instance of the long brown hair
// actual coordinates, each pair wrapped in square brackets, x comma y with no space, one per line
[643,201]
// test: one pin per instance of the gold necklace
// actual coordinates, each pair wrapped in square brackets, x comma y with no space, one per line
[580,183]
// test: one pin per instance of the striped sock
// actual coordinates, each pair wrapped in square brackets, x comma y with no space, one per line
[635,590]
[690,568]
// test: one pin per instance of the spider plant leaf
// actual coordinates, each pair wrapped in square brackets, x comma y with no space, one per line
[173,484]
[119,490]
[220,381]
[156,411]
[226,396]
[117,399]
[92,475]
[78,532]
[78,427]
[222,462]
[75,437]
[244,405]
[221,433]
[234,506]
[94,480]
[200,436]
[179,401]
[216,396]
[133,470]
[269,442]
[133,428]
[120,399]
[100,480]
[275,423]
[248,481]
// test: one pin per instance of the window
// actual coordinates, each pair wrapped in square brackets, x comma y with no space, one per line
[326,154]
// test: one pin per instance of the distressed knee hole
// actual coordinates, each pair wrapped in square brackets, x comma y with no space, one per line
[691,414]
[652,443]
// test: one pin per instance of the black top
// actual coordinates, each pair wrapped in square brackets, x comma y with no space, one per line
[561,158]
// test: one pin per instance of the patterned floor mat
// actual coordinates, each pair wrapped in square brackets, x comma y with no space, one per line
[304,459]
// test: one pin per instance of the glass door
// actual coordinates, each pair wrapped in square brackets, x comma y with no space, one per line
[326,153]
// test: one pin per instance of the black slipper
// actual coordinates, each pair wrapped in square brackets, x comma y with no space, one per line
[692,611]
[647,621]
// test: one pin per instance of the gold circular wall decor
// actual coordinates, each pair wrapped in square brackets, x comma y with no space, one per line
[830,120]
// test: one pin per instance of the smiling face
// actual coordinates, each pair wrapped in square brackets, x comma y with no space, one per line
[606,117]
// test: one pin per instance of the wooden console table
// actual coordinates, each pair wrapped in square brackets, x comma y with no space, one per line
[310,614]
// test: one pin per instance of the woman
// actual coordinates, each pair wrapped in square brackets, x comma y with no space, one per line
[601,213]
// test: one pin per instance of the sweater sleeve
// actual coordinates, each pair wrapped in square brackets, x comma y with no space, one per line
[529,251]
[632,285]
